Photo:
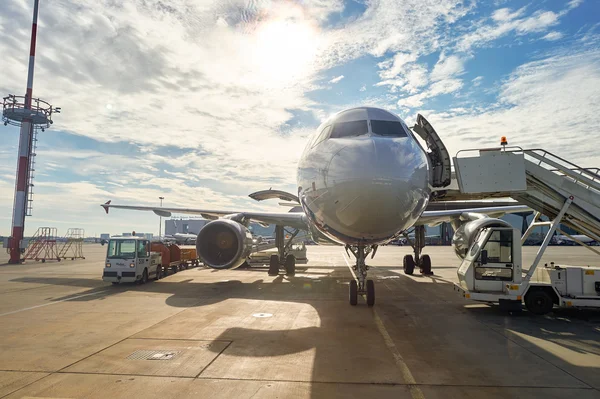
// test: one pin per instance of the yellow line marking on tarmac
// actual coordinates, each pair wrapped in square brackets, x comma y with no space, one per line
[415,391]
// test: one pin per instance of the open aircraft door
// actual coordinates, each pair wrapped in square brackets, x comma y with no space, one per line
[438,155]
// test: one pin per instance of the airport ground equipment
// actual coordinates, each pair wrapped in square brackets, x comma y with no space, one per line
[43,245]
[72,245]
[30,115]
[492,269]
[129,259]
[175,257]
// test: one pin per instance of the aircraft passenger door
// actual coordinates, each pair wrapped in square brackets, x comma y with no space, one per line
[495,265]
[439,157]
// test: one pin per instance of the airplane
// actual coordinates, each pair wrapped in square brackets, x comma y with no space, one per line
[181,238]
[363,180]
[561,239]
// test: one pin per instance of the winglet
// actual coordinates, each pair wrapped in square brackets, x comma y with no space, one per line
[105,206]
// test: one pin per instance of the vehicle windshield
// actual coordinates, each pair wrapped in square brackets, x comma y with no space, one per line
[121,249]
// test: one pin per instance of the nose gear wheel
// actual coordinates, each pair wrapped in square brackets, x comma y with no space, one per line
[360,285]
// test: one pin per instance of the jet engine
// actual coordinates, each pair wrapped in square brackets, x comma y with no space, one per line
[224,244]
[468,226]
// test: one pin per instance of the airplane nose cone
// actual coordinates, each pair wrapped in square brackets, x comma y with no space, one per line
[376,188]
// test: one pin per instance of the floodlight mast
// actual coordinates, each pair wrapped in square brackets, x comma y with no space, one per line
[19,111]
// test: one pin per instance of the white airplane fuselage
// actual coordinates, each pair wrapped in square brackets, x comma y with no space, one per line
[363,178]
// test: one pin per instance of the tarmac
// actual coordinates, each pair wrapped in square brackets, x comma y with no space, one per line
[242,334]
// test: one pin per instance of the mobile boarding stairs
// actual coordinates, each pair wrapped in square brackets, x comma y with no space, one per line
[566,194]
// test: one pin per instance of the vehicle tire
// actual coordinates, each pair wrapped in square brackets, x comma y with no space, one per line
[244,265]
[370,293]
[174,269]
[274,265]
[144,279]
[290,265]
[408,265]
[353,292]
[539,302]
[425,264]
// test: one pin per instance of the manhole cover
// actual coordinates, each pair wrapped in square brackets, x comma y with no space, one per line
[262,315]
[153,355]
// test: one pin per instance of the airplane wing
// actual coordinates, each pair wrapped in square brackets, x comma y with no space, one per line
[433,218]
[290,219]
[298,219]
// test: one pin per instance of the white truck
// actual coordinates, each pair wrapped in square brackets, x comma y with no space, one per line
[493,272]
[129,260]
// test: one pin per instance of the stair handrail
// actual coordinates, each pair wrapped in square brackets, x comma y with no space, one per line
[585,176]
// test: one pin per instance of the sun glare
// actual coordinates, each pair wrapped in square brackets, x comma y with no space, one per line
[284,51]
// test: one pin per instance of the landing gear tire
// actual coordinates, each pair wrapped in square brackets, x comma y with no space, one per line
[539,302]
[408,265]
[290,265]
[370,293]
[426,265]
[274,265]
[353,292]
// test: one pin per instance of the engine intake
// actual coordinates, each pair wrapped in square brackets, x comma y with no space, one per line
[224,244]
[467,228]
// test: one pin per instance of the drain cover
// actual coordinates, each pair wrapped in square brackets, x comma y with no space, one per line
[262,315]
[153,355]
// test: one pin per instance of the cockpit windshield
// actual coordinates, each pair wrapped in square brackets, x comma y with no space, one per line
[349,129]
[388,128]
[121,249]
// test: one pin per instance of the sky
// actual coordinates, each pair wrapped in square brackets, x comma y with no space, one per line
[205,102]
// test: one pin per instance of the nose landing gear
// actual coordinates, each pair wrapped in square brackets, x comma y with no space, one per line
[362,286]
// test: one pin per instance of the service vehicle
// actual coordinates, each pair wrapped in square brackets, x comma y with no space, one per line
[129,260]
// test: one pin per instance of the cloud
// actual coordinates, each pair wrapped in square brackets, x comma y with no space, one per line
[477,81]
[445,86]
[505,14]
[336,79]
[543,104]
[553,36]
[447,67]
[506,22]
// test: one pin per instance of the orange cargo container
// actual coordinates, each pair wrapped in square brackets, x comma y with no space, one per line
[175,257]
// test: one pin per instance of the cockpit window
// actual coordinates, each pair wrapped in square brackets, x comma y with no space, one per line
[349,129]
[322,135]
[388,128]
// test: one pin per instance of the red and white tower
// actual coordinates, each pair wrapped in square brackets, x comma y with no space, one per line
[30,114]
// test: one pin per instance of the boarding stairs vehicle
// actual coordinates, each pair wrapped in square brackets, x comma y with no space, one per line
[492,271]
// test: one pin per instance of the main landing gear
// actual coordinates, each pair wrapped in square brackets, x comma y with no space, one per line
[283,258]
[362,286]
[420,260]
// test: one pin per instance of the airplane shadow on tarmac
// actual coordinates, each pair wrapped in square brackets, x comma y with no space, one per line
[347,346]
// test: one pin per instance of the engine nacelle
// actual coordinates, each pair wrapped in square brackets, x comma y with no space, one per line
[468,227]
[224,244]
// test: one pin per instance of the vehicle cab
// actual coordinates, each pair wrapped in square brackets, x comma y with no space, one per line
[128,260]
[493,263]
